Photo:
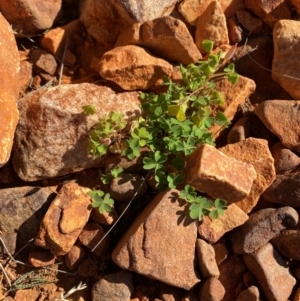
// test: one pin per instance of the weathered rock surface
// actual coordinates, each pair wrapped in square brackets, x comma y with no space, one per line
[296,4]
[9,88]
[22,209]
[192,10]
[51,138]
[235,34]
[252,24]
[272,273]
[132,67]
[75,257]
[284,158]
[206,259]
[285,190]
[64,220]
[153,244]
[261,227]
[273,112]
[212,26]
[255,152]
[285,69]
[128,186]
[116,286]
[166,37]
[41,258]
[30,17]
[220,176]
[287,243]
[105,218]
[104,20]
[213,230]
[269,11]
[249,294]
[211,290]
[43,61]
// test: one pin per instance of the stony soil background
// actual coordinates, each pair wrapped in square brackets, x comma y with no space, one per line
[57,56]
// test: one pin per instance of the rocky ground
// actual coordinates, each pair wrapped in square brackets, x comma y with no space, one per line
[58,56]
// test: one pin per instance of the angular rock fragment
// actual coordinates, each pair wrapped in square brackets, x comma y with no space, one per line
[255,152]
[271,272]
[131,67]
[9,88]
[212,26]
[64,220]
[285,69]
[153,245]
[211,290]
[249,294]
[285,190]
[213,230]
[51,138]
[29,17]
[75,257]
[116,286]
[166,37]
[41,258]
[261,227]
[252,24]
[206,259]
[273,112]
[220,176]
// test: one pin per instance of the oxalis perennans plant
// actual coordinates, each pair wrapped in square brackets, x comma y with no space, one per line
[173,125]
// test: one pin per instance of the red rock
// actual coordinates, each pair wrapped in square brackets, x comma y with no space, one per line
[153,241]
[206,259]
[235,33]
[249,294]
[25,77]
[133,68]
[240,131]
[271,272]
[75,257]
[51,139]
[105,218]
[252,24]
[285,70]
[41,258]
[127,187]
[272,112]
[9,88]
[87,269]
[255,152]
[26,295]
[166,37]
[29,17]
[212,26]
[91,234]
[262,226]
[105,20]
[296,4]
[269,11]
[220,176]
[43,61]
[211,290]
[221,251]
[64,220]
[213,230]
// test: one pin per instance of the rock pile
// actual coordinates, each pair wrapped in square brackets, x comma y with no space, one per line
[105,53]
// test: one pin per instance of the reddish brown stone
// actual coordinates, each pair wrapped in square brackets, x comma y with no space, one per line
[43,61]
[25,76]
[64,220]
[220,176]
[41,258]
[166,37]
[235,33]
[132,67]
[75,257]
[249,294]
[252,24]
[272,273]
[153,239]
[211,290]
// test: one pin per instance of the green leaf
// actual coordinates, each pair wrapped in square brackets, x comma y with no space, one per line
[89,110]
[196,212]
[207,45]
[177,111]
[233,78]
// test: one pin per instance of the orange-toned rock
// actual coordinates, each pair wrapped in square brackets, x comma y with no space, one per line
[273,112]
[249,294]
[252,24]
[285,69]
[269,11]
[105,20]
[213,230]
[212,26]
[220,176]
[9,88]
[25,76]
[75,257]
[133,68]
[255,152]
[51,138]
[64,220]
[41,258]
[153,244]
[193,9]
[30,16]
[271,272]
[296,4]
[166,37]
[211,290]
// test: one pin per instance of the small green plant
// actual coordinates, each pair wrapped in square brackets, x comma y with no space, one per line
[172,126]
[112,174]
[102,200]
